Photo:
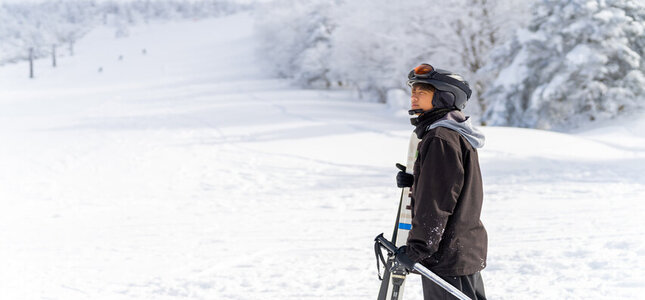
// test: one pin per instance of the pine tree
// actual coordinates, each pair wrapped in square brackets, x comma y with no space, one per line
[577,61]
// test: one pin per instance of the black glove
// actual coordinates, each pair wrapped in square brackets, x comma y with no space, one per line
[403,179]
[403,259]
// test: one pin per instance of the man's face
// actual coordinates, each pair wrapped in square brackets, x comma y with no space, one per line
[421,99]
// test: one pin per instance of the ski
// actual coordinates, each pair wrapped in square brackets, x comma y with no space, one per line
[394,277]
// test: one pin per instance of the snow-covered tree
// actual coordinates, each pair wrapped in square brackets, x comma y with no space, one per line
[295,36]
[73,22]
[470,30]
[375,44]
[578,60]
[30,34]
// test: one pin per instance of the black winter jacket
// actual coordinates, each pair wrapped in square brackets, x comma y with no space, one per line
[447,235]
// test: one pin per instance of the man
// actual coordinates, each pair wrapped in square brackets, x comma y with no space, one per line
[447,235]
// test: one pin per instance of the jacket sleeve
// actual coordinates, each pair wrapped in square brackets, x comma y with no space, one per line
[438,185]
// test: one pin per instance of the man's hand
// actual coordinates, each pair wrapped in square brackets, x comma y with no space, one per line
[403,179]
[403,259]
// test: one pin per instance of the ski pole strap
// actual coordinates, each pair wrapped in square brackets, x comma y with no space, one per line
[379,256]
[382,241]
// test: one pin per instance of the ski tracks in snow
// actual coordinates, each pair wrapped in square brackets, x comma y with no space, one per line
[195,179]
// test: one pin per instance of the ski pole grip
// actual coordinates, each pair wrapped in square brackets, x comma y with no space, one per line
[400,167]
[385,243]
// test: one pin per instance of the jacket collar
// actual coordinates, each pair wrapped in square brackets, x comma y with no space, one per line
[425,119]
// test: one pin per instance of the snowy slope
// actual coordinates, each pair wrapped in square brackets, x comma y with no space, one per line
[188,173]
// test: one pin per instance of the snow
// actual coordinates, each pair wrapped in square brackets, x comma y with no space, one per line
[189,173]
[581,54]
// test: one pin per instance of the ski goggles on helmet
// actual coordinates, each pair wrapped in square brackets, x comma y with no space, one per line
[421,71]
[427,74]
[424,71]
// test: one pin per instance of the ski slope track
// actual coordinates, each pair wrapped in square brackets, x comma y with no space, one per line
[188,172]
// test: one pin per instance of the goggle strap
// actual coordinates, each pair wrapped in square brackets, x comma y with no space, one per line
[441,77]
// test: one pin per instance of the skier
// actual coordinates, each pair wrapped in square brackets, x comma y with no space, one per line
[447,235]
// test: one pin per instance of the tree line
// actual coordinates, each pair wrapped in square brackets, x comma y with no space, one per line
[548,64]
[39,28]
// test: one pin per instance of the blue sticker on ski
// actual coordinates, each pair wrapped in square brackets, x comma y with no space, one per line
[405,226]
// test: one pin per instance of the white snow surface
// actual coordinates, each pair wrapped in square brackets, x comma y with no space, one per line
[189,173]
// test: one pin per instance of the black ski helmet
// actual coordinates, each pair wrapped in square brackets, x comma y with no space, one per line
[452,89]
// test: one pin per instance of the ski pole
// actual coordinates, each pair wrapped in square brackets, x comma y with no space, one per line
[391,248]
